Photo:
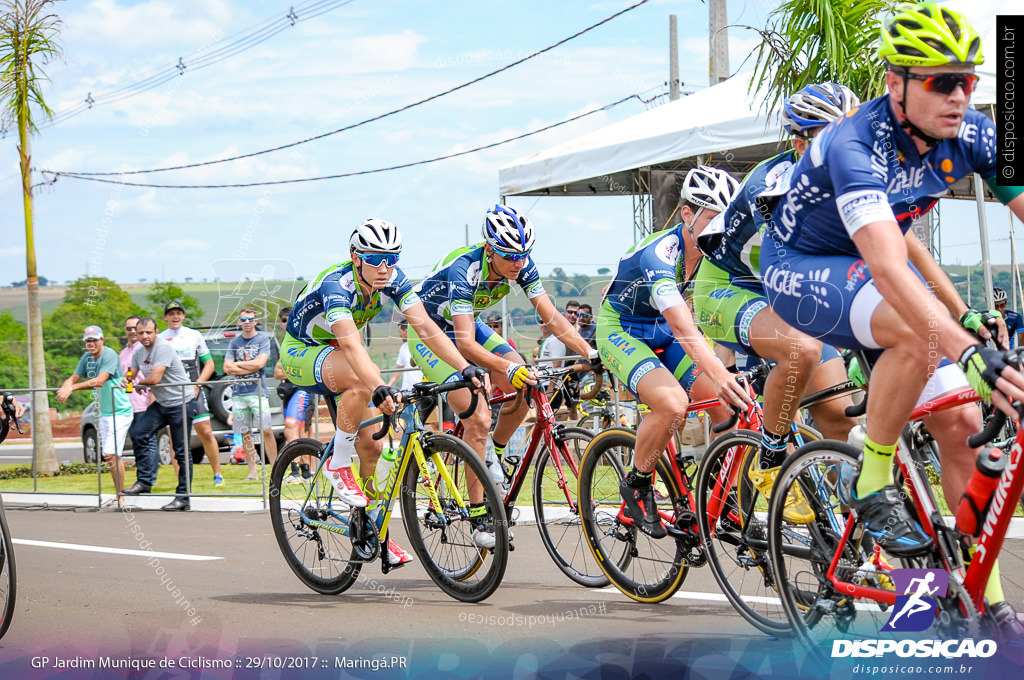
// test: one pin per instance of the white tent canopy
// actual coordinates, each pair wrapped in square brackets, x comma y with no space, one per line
[724,122]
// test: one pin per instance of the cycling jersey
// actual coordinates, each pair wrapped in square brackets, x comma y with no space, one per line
[1014,325]
[646,282]
[190,346]
[732,241]
[865,168]
[458,285]
[334,295]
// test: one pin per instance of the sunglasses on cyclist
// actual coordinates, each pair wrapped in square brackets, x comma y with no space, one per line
[945,83]
[512,257]
[246,319]
[374,259]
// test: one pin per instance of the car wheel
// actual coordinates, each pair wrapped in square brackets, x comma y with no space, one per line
[220,401]
[90,444]
[164,447]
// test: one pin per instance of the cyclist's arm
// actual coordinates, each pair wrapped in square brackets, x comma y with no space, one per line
[696,346]
[942,287]
[437,341]
[559,325]
[350,344]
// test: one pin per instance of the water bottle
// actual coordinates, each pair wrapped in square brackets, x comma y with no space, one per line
[385,463]
[980,488]
[857,436]
[494,464]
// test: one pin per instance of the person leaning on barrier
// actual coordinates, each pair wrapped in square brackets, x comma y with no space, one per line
[139,398]
[99,369]
[156,365]
[246,357]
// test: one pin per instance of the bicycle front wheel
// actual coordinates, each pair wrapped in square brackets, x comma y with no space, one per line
[8,575]
[555,483]
[436,518]
[643,568]
[801,553]
[320,556]
[734,531]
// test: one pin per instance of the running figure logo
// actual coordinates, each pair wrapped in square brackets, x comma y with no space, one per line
[915,608]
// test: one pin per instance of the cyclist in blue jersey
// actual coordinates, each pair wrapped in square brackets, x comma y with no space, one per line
[1014,322]
[322,350]
[731,309]
[463,284]
[643,313]
[841,262]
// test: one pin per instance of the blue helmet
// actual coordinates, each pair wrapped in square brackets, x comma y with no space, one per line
[816,106]
[507,231]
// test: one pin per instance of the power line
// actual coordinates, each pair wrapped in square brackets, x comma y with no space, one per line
[94,178]
[82,175]
[219,51]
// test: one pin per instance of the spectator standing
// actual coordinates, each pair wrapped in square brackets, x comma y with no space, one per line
[99,369]
[586,324]
[494,323]
[160,364]
[246,357]
[139,398]
[404,361]
[1014,323]
[553,348]
[544,333]
[190,346]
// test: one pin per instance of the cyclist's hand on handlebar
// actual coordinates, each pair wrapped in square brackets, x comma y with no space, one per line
[387,398]
[520,375]
[994,375]
[477,376]
[731,389]
[986,326]
[594,357]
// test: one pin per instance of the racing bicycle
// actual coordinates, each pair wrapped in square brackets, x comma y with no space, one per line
[8,572]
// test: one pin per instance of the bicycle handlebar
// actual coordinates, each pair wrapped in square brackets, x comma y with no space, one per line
[421,391]
[7,404]
[751,375]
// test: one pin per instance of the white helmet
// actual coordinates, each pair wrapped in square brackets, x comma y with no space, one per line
[507,231]
[375,236]
[709,188]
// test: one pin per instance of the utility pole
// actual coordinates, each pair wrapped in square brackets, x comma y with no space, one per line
[673,59]
[718,41]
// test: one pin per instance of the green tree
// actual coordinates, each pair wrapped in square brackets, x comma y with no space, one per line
[13,352]
[28,41]
[604,271]
[812,41]
[580,283]
[87,301]
[162,292]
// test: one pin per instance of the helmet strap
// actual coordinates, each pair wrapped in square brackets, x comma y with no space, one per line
[906,123]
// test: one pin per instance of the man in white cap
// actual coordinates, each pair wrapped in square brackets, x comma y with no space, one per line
[100,369]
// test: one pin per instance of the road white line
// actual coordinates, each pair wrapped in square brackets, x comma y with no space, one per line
[117,551]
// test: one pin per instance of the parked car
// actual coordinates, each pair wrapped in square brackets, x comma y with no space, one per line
[91,437]
[218,396]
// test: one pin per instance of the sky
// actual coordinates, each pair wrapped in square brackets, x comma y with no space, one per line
[352,63]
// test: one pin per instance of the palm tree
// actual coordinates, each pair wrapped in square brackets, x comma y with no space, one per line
[28,40]
[813,41]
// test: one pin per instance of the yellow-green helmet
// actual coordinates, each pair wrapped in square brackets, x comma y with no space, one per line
[928,34]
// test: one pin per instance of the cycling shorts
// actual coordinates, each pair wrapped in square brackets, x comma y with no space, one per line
[295,410]
[436,370]
[725,310]
[828,297]
[302,364]
[627,348]
[199,408]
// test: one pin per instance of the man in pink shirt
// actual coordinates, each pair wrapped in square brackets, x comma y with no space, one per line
[139,396]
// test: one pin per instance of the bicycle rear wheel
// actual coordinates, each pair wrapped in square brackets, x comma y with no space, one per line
[734,531]
[322,558]
[443,536]
[559,524]
[801,553]
[8,575]
[643,568]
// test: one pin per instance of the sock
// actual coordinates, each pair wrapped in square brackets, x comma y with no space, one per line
[499,449]
[637,479]
[344,447]
[875,467]
[773,450]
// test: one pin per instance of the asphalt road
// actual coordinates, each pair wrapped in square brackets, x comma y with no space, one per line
[79,603]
